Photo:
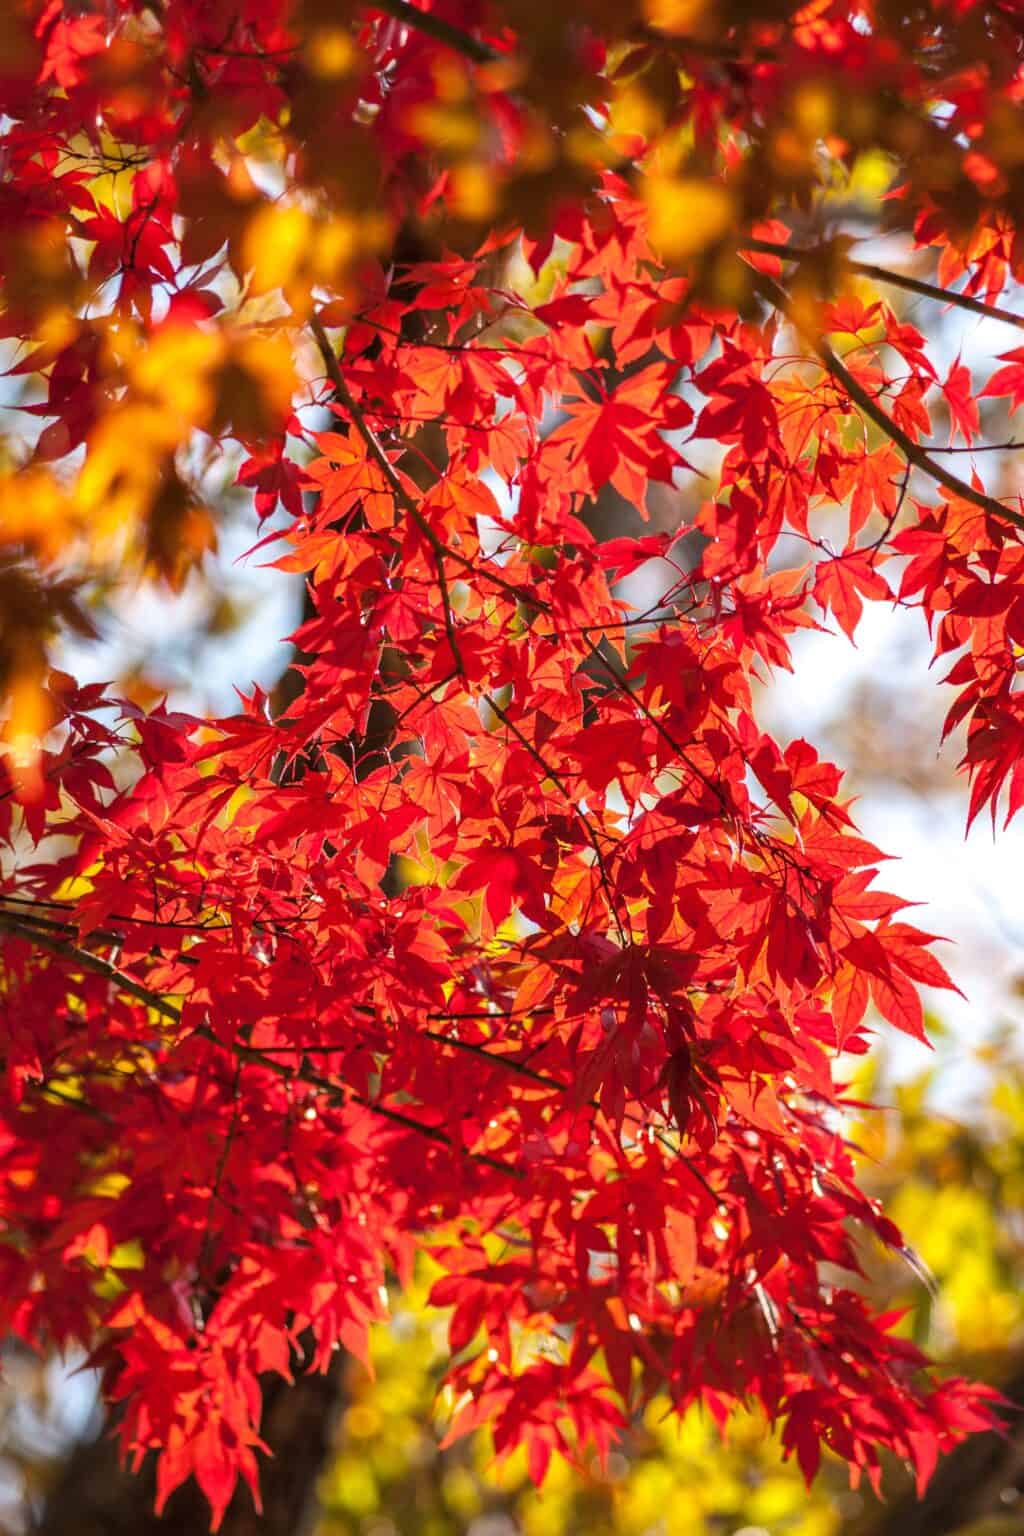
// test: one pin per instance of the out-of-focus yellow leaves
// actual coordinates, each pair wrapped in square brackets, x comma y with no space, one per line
[127,509]
[462,1493]
[952,1186]
[1008,1100]
[451,127]
[171,390]
[633,112]
[123,468]
[955,1229]
[288,248]
[687,215]
[186,379]
[813,109]
[870,177]
[39,273]
[34,512]
[474,191]
[1004,133]
[330,52]
[32,608]
[275,242]
[174,372]
[29,717]
[178,532]
[58,328]
[255,384]
[350,1486]
[363,1420]
[682,17]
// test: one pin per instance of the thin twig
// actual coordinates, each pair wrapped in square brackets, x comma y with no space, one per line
[570,798]
[222,1163]
[369,436]
[405,501]
[452,1042]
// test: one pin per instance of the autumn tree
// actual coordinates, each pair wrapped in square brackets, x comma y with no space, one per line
[513,937]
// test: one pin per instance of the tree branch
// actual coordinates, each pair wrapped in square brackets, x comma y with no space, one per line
[571,800]
[911,451]
[44,939]
[893,279]
[440,30]
[65,949]
[710,48]
[402,496]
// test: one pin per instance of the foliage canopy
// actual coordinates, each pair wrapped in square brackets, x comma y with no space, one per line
[513,936]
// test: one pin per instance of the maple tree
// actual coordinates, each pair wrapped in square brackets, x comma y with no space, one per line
[514,936]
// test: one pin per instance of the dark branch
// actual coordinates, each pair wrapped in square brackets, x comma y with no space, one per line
[911,451]
[440,30]
[44,939]
[83,958]
[405,501]
[892,278]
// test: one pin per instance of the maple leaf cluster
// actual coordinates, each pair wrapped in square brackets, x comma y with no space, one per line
[513,936]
